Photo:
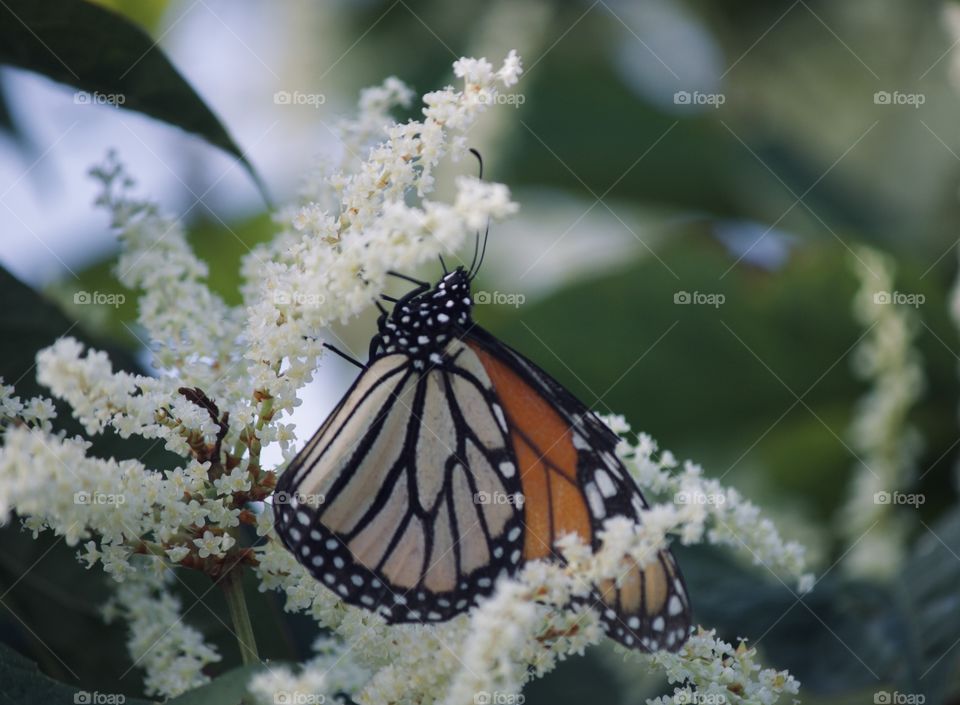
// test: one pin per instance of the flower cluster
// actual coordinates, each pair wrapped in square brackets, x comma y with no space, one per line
[171,652]
[537,619]
[711,670]
[887,444]
[229,376]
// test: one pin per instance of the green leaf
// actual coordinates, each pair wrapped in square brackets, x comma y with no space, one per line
[228,689]
[22,682]
[928,594]
[99,51]
[41,581]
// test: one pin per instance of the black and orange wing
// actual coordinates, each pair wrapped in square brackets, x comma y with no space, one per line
[573,481]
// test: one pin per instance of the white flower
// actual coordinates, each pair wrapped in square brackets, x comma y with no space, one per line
[887,445]
[177,553]
[211,544]
[502,644]
[172,653]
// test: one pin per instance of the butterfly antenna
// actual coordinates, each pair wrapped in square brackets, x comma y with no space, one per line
[480,160]
[477,250]
[486,234]
[476,253]
[443,264]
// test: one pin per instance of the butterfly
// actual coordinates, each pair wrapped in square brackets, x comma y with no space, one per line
[452,460]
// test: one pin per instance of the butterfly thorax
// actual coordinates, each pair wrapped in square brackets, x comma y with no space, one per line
[422,324]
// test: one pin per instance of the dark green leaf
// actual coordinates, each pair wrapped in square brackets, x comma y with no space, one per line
[101,52]
[228,689]
[50,601]
[21,682]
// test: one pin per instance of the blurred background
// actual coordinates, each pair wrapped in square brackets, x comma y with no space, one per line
[696,180]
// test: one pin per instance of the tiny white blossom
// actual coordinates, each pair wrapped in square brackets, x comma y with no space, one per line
[211,544]
[177,553]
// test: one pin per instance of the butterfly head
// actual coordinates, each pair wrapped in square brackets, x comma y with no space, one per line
[423,324]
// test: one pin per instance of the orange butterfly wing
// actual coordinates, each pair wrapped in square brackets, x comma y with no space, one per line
[647,607]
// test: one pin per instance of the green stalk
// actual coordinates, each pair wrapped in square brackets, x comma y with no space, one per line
[232,584]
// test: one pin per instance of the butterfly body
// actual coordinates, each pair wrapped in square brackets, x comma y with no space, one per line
[423,322]
[453,460]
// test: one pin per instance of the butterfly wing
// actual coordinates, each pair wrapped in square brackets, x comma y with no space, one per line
[400,501]
[573,481]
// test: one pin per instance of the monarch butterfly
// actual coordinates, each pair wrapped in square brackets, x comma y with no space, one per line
[443,417]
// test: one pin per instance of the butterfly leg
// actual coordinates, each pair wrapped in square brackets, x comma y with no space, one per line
[345,356]
[425,286]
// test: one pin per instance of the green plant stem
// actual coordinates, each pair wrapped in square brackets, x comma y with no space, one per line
[232,584]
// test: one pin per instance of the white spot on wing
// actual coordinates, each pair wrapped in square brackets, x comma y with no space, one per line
[501,419]
[607,488]
[595,501]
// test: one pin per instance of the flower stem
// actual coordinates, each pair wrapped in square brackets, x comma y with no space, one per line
[232,584]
